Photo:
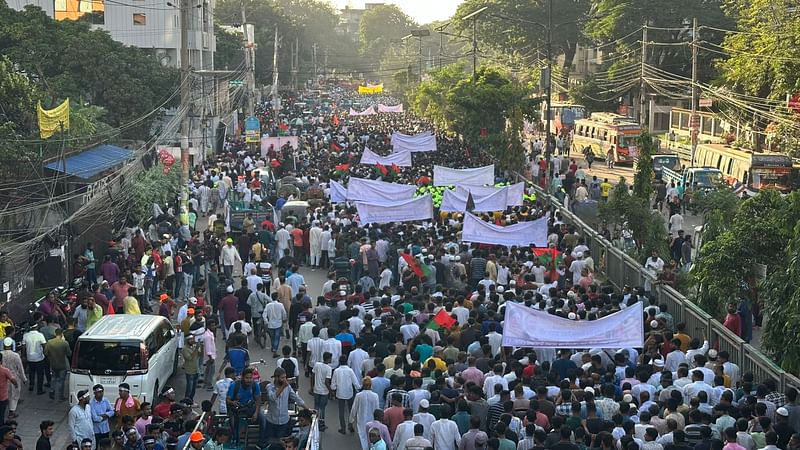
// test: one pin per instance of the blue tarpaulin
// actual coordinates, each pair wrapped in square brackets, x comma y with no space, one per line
[91,162]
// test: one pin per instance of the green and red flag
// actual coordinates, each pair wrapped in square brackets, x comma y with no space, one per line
[421,270]
[381,169]
[550,257]
[395,168]
[336,147]
[441,320]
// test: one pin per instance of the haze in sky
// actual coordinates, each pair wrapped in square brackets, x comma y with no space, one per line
[422,11]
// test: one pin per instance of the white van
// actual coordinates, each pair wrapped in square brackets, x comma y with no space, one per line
[140,350]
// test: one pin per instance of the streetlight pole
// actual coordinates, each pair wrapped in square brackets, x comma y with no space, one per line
[474,16]
[549,86]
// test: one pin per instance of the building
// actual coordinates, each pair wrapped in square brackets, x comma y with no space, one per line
[350,20]
[143,25]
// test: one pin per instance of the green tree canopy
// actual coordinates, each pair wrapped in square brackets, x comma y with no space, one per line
[380,26]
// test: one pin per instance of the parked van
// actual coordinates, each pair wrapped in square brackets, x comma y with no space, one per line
[140,350]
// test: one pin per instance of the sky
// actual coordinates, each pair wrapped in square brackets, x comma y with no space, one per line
[422,11]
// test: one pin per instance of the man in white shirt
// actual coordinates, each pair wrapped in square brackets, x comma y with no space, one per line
[496,378]
[274,317]
[344,385]
[691,390]
[34,351]
[462,314]
[404,431]
[675,358]
[356,359]
[410,330]
[334,347]
[444,432]
[424,418]
[322,387]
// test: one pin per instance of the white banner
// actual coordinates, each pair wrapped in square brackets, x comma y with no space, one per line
[478,176]
[528,327]
[276,143]
[514,196]
[516,193]
[338,192]
[367,112]
[420,208]
[422,142]
[402,159]
[390,109]
[456,200]
[374,191]
[519,234]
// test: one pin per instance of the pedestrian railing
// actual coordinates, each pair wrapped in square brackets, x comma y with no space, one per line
[622,270]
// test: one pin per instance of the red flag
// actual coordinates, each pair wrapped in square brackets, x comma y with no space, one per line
[335,120]
[414,265]
[336,147]
[383,170]
[395,168]
[550,257]
[441,320]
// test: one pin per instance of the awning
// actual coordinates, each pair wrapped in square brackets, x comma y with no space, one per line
[91,162]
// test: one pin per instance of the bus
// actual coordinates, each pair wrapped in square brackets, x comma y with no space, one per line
[609,135]
[564,117]
[752,171]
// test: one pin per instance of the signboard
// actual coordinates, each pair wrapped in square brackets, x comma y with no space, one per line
[633,151]
[694,121]
[252,130]
[705,103]
[235,83]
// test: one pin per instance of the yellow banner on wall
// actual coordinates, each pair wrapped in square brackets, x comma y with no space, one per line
[51,120]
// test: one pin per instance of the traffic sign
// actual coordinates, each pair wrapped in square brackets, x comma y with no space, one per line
[235,83]
[694,122]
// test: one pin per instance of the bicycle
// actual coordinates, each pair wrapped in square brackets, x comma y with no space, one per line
[259,332]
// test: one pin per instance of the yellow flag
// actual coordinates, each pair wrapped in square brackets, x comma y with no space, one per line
[51,120]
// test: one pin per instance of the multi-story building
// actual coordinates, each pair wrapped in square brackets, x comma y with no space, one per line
[143,24]
[350,20]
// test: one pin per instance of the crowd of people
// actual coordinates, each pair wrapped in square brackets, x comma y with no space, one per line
[369,338]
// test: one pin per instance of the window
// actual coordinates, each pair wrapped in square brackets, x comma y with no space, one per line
[91,11]
[139,19]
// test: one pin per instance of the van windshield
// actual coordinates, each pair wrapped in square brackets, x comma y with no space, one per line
[107,357]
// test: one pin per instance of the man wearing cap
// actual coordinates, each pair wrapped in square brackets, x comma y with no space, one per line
[782,427]
[275,421]
[228,309]
[101,413]
[230,256]
[196,440]
[132,441]
[80,418]
[13,362]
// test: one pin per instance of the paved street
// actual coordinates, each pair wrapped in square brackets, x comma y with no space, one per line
[35,408]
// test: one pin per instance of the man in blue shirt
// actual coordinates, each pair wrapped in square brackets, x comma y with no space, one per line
[380,384]
[101,412]
[237,355]
[275,421]
[244,400]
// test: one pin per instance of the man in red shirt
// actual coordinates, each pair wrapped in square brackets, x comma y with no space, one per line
[5,377]
[120,289]
[733,321]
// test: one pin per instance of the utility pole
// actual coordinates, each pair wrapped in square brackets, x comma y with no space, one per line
[694,120]
[276,100]
[186,93]
[325,65]
[419,57]
[549,86]
[642,94]
[474,49]
[295,62]
[314,60]
[249,66]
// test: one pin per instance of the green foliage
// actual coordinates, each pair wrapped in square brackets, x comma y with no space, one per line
[18,96]
[613,19]
[493,102]
[643,178]
[380,26]
[717,207]
[70,59]
[758,234]
[305,22]
[780,293]
[229,54]
[153,186]
[509,25]
[634,213]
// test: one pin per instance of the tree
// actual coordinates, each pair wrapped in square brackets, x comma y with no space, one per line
[70,59]
[380,26]
[229,54]
[487,112]
[670,22]
[643,178]
[780,293]
[18,97]
[634,213]
[517,26]
[586,94]
[758,234]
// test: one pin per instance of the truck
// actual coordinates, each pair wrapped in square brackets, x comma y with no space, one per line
[705,178]
[662,160]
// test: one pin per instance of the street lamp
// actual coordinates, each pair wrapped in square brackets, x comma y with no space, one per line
[474,16]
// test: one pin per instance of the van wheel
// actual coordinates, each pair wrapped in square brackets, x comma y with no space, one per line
[154,400]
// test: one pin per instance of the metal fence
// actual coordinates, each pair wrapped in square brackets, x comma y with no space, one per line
[621,270]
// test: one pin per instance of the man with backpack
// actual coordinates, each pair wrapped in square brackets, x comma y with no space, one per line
[243,400]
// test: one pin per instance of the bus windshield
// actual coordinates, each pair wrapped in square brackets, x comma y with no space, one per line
[779,179]
[107,358]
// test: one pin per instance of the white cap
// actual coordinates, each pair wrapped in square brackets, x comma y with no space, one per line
[783,412]
[653,324]
[193,300]
[424,403]
[627,398]
[500,289]
[712,354]
[458,258]
[658,362]
[588,389]
[8,342]
[342,293]
[572,316]
[229,289]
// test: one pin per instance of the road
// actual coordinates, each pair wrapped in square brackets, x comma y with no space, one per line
[35,408]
